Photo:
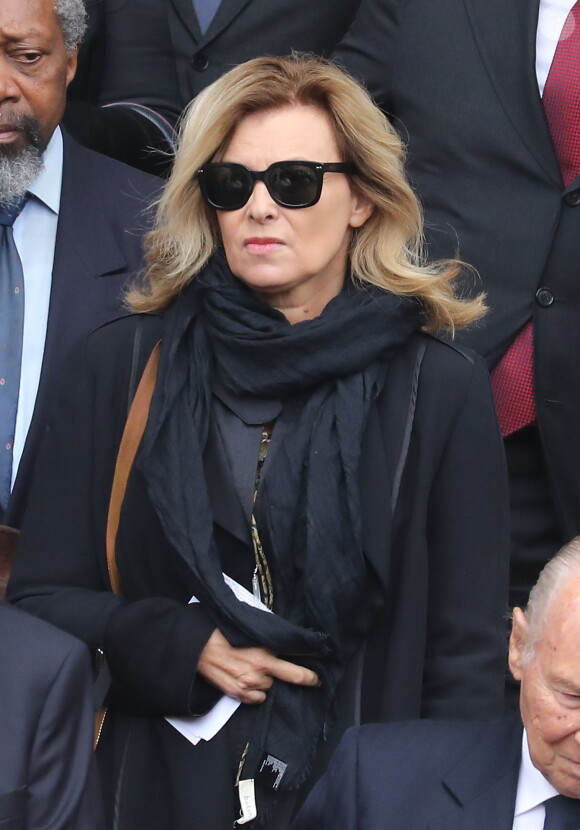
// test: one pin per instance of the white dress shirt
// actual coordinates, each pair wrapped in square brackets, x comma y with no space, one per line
[533,791]
[35,238]
[553,14]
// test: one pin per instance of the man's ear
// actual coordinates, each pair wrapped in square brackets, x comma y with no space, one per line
[71,66]
[518,640]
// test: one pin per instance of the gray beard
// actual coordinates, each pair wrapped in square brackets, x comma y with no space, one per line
[18,172]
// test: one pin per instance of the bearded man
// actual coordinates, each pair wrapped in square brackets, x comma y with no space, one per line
[71,223]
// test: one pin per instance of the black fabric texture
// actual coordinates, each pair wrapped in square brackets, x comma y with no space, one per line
[328,371]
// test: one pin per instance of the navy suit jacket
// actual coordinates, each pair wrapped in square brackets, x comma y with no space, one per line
[420,775]
[459,79]
[46,728]
[103,215]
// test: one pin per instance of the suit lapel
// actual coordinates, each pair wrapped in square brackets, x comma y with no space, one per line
[506,38]
[482,786]
[226,12]
[186,12]
[86,256]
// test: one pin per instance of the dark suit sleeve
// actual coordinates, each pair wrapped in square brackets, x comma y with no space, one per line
[334,801]
[60,570]
[62,785]
[369,49]
[468,550]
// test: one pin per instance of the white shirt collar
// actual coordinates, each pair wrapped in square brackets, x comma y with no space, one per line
[533,788]
[48,185]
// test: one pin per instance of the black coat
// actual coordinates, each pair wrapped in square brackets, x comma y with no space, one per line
[466,774]
[459,78]
[438,647]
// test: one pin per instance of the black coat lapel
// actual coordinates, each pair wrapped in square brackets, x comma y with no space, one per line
[383,455]
[505,33]
[225,503]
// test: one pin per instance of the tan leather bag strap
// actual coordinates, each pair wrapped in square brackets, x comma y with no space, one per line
[132,435]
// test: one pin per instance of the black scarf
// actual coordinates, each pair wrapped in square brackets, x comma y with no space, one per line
[328,371]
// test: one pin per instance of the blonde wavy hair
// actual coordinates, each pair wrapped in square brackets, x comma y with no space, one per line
[386,251]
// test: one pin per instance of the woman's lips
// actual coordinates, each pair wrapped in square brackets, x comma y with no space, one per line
[262,244]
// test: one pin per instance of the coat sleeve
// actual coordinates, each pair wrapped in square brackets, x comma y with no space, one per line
[62,785]
[468,560]
[369,49]
[60,571]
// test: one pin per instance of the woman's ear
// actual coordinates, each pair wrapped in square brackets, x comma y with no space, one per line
[362,209]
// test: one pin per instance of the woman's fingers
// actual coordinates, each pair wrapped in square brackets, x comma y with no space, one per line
[290,672]
[247,673]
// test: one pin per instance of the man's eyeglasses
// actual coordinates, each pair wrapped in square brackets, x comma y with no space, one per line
[291,184]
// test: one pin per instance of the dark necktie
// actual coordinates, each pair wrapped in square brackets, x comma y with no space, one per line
[562,813]
[205,10]
[11,329]
[512,379]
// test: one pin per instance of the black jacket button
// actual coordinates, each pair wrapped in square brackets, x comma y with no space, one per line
[572,198]
[200,62]
[544,297]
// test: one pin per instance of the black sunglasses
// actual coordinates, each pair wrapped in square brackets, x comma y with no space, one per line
[291,184]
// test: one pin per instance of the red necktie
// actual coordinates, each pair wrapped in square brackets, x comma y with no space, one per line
[512,379]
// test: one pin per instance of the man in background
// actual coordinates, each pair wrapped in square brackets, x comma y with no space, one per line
[47,778]
[492,775]
[70,229]
[145,60]
[487,95]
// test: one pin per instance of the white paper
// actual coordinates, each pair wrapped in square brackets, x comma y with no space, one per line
[205,727]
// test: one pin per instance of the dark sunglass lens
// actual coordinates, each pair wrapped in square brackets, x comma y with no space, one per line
[294,184]
[228,186]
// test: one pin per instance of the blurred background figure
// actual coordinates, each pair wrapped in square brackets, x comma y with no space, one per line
[47,779]
[487,97]
[145,60]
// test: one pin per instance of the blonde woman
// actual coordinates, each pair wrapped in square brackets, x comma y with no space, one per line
[307,438]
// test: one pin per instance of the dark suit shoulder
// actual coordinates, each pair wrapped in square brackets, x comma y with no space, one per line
[111,169]
[113,346]
[124,327]
[445,347]
[429,748]
[34,642]
[450,370]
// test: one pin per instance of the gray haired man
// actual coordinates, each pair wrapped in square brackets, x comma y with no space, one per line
[508,774]
[71,222]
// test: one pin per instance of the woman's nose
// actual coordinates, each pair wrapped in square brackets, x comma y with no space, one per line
[261,206]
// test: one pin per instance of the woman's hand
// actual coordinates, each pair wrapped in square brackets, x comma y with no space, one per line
[248,673]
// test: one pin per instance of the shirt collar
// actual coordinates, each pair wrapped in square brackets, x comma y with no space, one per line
[533,788]
[48,184]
